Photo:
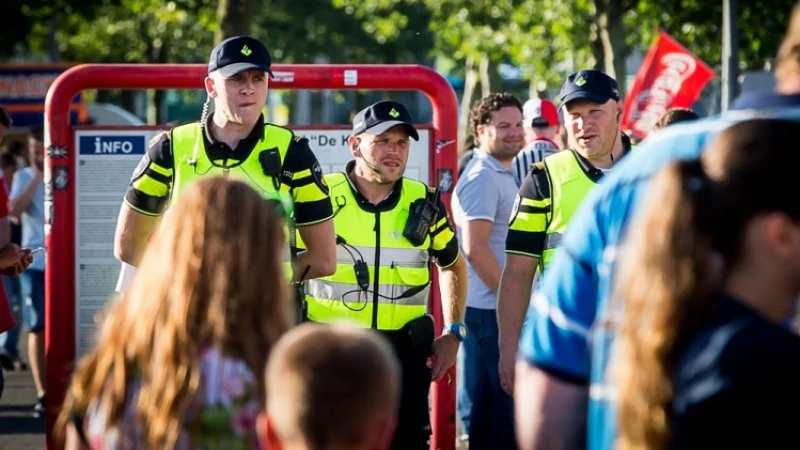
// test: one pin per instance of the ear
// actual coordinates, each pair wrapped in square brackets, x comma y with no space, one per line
[384,433]
[267,436]
[781,234]
[211,89]
[352,141]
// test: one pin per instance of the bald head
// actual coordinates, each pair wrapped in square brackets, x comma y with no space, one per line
[331,387]
[787,63]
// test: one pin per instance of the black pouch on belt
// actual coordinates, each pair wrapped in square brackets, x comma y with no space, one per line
[421,335]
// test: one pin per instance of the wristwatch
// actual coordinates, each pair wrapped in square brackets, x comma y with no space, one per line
[458,329]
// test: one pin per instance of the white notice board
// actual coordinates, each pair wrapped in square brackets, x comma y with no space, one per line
[105,162]
[333,152]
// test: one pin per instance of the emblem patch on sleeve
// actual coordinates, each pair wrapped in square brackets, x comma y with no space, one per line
[144,163]
[319,177]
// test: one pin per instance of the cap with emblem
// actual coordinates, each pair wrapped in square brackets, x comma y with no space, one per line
[592,85]
[539,112]
[381,116]
[237,54]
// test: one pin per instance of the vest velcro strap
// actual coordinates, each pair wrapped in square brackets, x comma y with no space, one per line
[351,294]
[552,241]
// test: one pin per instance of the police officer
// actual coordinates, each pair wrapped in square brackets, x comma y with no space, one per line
[232,141]
[388,229]
[550,194]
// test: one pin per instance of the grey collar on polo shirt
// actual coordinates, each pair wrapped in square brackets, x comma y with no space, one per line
[491,161]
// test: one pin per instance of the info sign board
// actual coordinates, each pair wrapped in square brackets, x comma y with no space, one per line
[105,162]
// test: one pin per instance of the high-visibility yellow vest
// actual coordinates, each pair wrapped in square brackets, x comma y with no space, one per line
[569,184]
[191,163]
[399,289]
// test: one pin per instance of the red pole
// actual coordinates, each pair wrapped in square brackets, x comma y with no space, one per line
[60,204]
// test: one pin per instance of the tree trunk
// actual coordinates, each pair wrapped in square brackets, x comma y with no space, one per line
[470,81]
[128,102]
[533,91]
[486,80]
[612,37]
[234,18]
[160,95]
[598,52]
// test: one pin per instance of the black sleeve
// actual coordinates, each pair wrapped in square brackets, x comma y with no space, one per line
[444,246]
[527,230]
[304,176]
[535,185]
[151,182]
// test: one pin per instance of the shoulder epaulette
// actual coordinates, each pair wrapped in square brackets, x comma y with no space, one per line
[537,166]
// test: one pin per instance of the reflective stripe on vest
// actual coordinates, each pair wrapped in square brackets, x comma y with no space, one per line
[403,272]
[569,184]
[351,294]
[191,163]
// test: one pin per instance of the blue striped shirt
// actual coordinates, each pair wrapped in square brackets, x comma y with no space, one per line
[564,333]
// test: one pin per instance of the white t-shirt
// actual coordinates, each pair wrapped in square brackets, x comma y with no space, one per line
[126,274]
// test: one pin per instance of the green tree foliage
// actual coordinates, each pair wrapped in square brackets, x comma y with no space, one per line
[549,39]
[133,31]
[546,39]
[697,24]
[381,31]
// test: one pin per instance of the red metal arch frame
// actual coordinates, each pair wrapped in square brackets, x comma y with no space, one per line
[60,203]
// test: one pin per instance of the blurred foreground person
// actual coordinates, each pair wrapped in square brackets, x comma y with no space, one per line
[711,277]
[673,116]
[565,398]
[180,357]
[331,387]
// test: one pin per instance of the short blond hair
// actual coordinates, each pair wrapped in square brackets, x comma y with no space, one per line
[787,64]
[327,385]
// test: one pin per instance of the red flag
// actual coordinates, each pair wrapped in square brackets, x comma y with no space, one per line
[670,77]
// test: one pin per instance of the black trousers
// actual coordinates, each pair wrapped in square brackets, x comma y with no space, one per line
[413,345]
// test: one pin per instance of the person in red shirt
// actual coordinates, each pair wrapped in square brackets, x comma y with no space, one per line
[13,259]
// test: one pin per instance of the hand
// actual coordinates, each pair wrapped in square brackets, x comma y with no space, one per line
[25,258]
[507,366]
[10,256]
[445,350]
[38,173]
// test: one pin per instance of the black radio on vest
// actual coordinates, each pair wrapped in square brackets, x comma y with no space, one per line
[421,218]
[270,161]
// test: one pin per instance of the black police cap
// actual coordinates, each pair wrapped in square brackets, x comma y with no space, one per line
[593,85]
[237,54]
[381,116]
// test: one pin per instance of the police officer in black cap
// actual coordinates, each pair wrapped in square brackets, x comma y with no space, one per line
[388,228]
[233,141]
[550,194]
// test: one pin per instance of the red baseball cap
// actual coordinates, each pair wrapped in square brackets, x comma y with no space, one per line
[539,112]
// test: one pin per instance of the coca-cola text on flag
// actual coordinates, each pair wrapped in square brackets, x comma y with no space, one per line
[670,77]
